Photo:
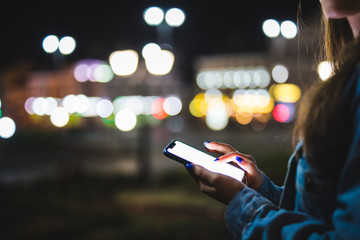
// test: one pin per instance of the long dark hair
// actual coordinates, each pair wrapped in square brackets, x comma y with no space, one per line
[323,119]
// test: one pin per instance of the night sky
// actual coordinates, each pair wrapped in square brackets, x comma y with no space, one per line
[211,27]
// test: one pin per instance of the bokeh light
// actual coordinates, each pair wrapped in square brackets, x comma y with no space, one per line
[160,63]
[125,120]
[59,117]
[286,92]
[153,16]
[198,106]
[150,49]
[67,45]
[281,113]
[124,63]
[93,70]
[70,103]
[217,116]
[104,108]
[172,105]
[325,70]
[271,28]
[288,29]
[284,112]
[7,127]
[280,73]
[158,111]
[233,78]
[244,118]
[103,73]
[28,105]
[175,17]
[50,43]
[39,106]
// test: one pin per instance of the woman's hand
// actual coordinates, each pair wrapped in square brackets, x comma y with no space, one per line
[215,185]
[254,177]
[219,186]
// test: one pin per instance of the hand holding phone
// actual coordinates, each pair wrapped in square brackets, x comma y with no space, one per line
[184,154]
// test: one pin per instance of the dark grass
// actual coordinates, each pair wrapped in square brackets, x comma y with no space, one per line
[109,208]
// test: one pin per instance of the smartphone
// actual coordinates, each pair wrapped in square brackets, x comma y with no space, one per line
[184,153]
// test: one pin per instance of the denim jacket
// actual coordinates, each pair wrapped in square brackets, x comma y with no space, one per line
[306,207]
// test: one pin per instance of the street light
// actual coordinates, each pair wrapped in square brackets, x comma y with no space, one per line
[66,45]
[153,16]
[288,29]
[175,17]
[272,29]
[50,43]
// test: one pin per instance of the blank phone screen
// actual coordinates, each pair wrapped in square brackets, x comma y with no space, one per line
[198,157]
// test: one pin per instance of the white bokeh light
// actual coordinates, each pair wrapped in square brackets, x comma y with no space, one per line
[288,29]
[150,49]
[50,43]
[153,16]
[70,103]
[172,105]
[125,120]
[271,28]
[7,127]
[124,63]
[59,117]
[280,73]
[67,45]
[161,63]
[175,17]
[104,108]
[325,70]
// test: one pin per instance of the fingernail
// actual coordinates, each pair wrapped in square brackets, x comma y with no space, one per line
[239,159]
[205,144]
[216,159]
[189,166]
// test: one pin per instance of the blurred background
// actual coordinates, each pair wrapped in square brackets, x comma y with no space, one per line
[91,92]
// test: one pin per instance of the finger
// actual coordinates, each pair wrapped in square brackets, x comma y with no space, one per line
[242,160]
[206,188]
[235,157]
[190,168]
[229,157]
[219,148]
[201,173]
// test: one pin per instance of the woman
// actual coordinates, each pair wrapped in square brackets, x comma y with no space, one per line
[321,195]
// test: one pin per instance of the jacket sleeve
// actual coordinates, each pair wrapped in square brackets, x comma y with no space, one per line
[269,190]
[251,216]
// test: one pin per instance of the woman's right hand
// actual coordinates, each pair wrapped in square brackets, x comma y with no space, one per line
[253,175]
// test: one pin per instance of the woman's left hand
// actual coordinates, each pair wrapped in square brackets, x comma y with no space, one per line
[215,185]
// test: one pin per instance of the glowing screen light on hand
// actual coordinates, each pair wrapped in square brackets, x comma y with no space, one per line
[200,158]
